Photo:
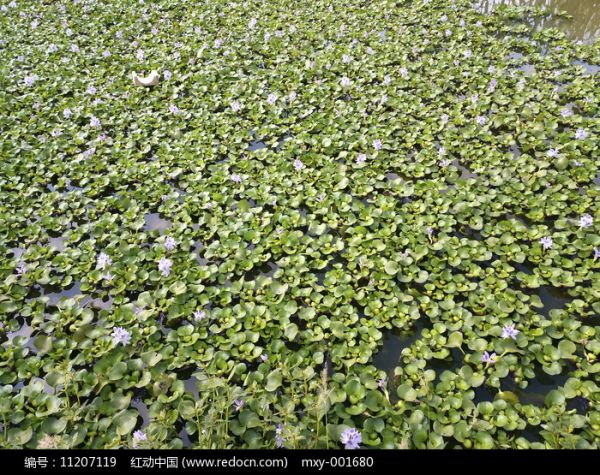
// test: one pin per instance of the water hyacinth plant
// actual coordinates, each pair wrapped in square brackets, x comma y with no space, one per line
[330,224]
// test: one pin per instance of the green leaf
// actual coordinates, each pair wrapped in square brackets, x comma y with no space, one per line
[274,380]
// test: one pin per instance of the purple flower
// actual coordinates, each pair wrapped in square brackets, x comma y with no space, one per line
[596,253]
[346,59]
[351,438]
[586,221]
[387,80]
[492,86]
[298,165]
[292,96]
[264,358]
[239,404]
[138,436]
[52,48]
[164,265]
[377,144]
[106,54]
[120,335]
[174,109]
[252,23]
[119,34]
[199,315]
[236,106]
[481,120]
[487,358]
[546,242]
[566,112]
[382,383]
[91,90]
[278,436]
[140,55]
[94,121]
[167,75]
[169,243]
[552,153]
[272,99]
[361,158]
[30,80]
[75,48]
[67,113]
[403,72]
[345,82]
[236,178]
[21,269]
[509,331]
[580,134]
[445,162]
[103,261]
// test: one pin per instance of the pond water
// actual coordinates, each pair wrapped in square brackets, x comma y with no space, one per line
[584,26]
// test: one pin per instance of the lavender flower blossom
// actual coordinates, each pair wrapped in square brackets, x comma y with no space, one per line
[67,113]
[236,178]
[164,265]
[566,112]
[481,120]
[581,134]
[546,242]
[345,82]
[361,158]
[596,253]
[173,109]
[120,335]
[95,122]
[552,153]
[351,438]
[278,436]
[167,75]
[272,99]
[199,315]
[377,144]
[103,261]
[509,331]
[239,404]
[138,436]
[264,358]
[585,221]
[169,243]
[236,106]
[30,80]
[140,55]
[487,358]
[21,269]
[298,165]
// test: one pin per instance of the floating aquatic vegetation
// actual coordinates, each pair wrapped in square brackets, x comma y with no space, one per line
[370,225]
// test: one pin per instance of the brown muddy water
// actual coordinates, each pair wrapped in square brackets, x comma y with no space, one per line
[583,26]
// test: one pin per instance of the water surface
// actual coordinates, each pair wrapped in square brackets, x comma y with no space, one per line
[584,26]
